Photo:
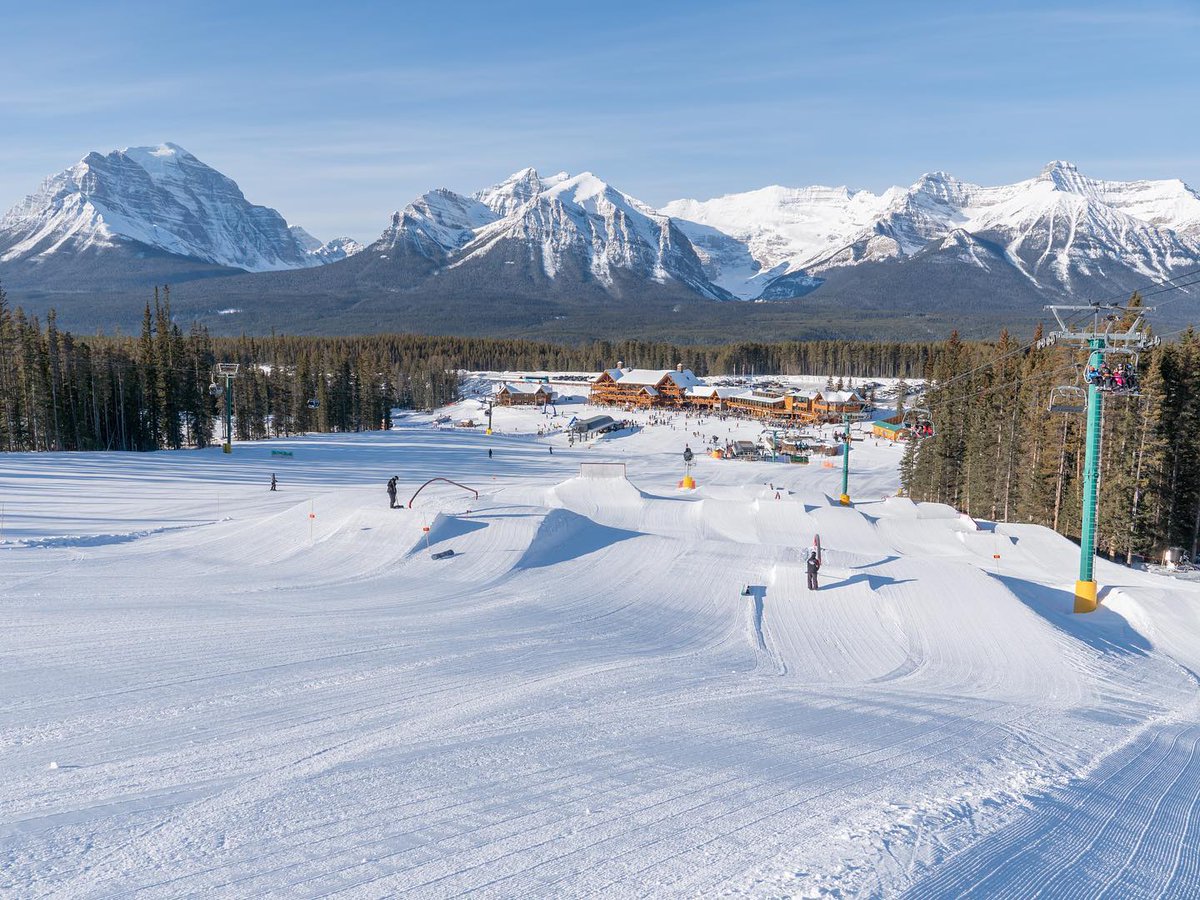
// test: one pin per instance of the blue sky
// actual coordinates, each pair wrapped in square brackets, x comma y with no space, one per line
[338,114]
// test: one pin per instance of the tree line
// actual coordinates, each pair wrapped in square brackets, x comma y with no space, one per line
[998,453]
[60,391]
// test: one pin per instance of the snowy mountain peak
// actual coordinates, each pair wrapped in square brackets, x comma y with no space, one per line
[160,198]
[338,248]
[1060,231]
[1066,177]
[511,193]
[576,224]
[437,223]
[306,241]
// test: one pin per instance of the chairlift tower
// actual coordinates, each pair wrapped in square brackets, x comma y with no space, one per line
[1103,335]
[228,371]
[847,418]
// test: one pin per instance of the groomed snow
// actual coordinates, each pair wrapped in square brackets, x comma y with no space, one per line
[207,692]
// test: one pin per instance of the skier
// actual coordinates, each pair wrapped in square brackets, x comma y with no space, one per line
[391,489]
[489,452]
[273,481]
[814,566]
[552,451]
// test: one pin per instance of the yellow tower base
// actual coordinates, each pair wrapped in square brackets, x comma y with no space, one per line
[688,483]
[489,431]
[845,499]
[1085,596]
[227,448]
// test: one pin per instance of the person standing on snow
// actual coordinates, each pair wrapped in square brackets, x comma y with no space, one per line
[273,482]
[814,566]
[391,489]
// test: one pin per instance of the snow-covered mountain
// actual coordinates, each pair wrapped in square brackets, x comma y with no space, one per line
[563,230]
[154,201]
[534,251]
[330,251]
[435,225]
[1061,231]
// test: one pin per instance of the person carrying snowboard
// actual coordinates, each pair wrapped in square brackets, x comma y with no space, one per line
[391,489]
[814,566]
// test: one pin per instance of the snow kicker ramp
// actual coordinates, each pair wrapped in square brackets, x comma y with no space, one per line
[618,503]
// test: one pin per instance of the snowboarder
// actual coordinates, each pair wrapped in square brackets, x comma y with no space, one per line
[551,451]
[273,481]
[814,566]
[489,452]
[391,489]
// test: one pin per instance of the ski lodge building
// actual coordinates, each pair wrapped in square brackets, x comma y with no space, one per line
[679,388]
[521,394]
[643,387]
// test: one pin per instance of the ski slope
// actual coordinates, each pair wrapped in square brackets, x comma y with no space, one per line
[214,690]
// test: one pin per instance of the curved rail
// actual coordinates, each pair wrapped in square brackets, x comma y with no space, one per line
[448,481]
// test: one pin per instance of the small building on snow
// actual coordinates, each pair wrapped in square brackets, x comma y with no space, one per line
[516,393]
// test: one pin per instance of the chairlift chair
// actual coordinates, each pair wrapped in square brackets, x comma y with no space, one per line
[919,422]
[1067,399]
[1129,389]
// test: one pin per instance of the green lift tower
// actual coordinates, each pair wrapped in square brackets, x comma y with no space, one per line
[1107,330]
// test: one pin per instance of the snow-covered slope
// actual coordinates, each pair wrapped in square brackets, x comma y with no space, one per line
[1061,230]
[612,688]
[150,199]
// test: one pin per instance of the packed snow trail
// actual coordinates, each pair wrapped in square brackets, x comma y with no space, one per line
[1130,830]
[581,701]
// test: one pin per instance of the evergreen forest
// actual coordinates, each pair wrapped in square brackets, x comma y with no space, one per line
[999,453]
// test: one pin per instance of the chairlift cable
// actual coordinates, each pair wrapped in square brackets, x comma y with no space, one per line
[1157,286]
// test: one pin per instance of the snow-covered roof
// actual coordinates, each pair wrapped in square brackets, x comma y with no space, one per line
[614,374]
[756,397]
[648,389]
[709,390]
[517,387]
[684,379]
[842,397]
